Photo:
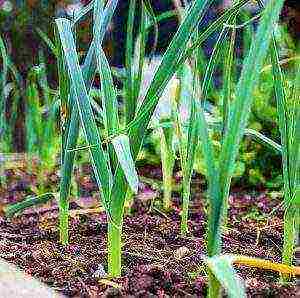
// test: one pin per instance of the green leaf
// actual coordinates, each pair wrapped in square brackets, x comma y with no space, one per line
[260,138]
[72,126]
[221,267]
[83,12]
[99,160]
[238,117]
[131,101]
[109,97]
[47,41]
[12,209]
[3,82]
[122,149]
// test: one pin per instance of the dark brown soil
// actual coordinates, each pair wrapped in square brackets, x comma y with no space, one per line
[157,261]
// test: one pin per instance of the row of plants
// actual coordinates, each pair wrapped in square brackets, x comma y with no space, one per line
[114,167]
[262,172]
[191,129]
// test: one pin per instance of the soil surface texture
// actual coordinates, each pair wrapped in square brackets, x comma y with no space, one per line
[157,261]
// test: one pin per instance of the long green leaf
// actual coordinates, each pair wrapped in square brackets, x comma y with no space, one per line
[110,103]
[3,82]
[164,73]
[99,160]
[122,149]
[239,115]
[12,209]
[295,144]
[131,101]
[83,12]
[72,126]
[260,138]
[221,267]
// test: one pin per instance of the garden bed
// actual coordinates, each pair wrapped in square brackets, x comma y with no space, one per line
[157,261]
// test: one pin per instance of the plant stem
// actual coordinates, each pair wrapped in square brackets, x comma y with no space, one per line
[64,221]
[66,173]
[167,161]
[291,230]
[114,249]
[214,287]
[185,207]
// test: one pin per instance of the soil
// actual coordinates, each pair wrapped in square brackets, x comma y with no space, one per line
[157,261]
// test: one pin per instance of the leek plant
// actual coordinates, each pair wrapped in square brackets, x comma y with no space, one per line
[113,163]
[220,170]
[288,110]
[167,161]
[113,180]
[11,85]
[289,124]
[221,267]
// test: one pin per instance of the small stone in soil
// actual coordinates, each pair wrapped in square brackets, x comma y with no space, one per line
[100,272]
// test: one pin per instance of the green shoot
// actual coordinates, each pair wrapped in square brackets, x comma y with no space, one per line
[221,267]
[220,174]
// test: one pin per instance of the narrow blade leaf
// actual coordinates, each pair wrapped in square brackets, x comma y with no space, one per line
[122,149]
[221,267]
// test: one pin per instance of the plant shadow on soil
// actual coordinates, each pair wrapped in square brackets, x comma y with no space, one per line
[157,261]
